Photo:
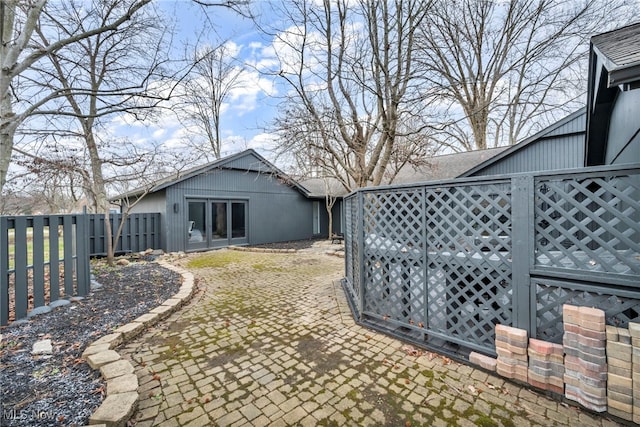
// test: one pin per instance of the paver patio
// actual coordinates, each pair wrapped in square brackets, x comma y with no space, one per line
[270,340]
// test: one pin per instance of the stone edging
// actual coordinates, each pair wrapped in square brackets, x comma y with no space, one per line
[339,254]
[121,398]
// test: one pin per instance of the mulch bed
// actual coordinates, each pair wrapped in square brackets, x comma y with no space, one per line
[62,389]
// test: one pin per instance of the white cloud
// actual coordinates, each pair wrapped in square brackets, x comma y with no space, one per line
[244,98]
[263,142]
[159,133]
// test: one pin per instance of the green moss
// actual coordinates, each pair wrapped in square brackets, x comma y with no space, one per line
[353,394]
[216,259]
[485,421]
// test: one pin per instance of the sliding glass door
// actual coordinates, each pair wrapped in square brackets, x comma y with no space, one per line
[238,223]
[217,223]
[197,225]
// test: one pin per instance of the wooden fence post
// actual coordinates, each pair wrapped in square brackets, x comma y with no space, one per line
[522,194]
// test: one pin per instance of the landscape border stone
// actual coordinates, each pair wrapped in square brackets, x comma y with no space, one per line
[263,250]
[332,251]
[120,403]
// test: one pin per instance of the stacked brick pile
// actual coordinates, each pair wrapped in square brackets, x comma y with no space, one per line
[634,331]
[511,347]
[546,365]
[619,378]
[585,362]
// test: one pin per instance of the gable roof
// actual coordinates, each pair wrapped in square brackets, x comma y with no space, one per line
[247,161]
[435,168]
[445,166]
[565,126]
[620,54]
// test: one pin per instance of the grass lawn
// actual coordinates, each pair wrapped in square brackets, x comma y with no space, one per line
[46,246]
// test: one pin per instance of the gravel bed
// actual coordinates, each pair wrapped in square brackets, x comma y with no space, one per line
[61,389]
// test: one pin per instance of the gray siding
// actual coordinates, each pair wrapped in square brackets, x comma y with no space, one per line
[561,152]
[578,124]
[324,218]
[249,163]
[623,145]
[276,211]
[154,202]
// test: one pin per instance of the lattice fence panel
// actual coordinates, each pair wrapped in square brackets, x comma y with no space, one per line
[393,256]
[469,249]
[352,250]
[620,307]
[589,223]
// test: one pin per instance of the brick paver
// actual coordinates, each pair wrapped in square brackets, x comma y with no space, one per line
[269,340]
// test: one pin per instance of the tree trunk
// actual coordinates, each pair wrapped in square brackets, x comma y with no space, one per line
[99,190]
[7,132]
[330,215]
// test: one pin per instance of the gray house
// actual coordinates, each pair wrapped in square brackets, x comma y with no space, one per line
[241,199]
[244,199]
[613,102]
[559,146]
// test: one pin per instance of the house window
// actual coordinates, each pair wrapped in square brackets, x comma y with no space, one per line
[316,217]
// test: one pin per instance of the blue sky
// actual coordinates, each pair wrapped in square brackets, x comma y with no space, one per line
[249,107]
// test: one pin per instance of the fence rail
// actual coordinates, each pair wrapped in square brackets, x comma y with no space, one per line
[45,258]
[441,263]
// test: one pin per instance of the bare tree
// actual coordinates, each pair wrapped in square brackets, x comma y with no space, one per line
[214,76]
[19,52]
[352,75]
[57,188]
[330,199]
[501,67]
[119,72]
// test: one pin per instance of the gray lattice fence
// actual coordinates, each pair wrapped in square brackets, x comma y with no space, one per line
[445,262]
[587,234]
[352,252]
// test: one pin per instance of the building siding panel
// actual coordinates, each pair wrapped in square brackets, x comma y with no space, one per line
[564,152]
[623,145]
[578,124]
[268,199]
[249,163]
